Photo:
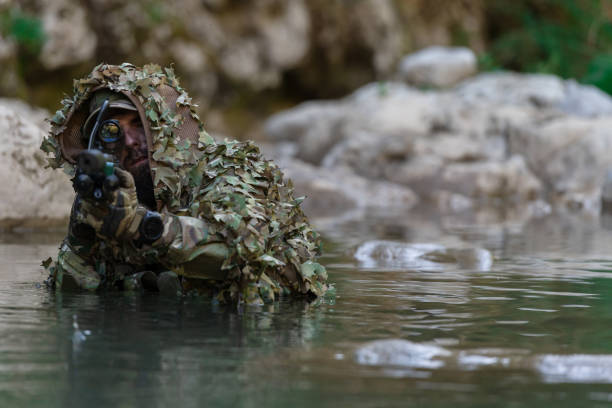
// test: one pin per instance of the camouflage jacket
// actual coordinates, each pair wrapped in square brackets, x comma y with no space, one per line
[233,227]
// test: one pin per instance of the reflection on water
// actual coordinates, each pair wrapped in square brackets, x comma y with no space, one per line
[532,328]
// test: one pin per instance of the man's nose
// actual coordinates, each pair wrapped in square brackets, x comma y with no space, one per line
[131,138]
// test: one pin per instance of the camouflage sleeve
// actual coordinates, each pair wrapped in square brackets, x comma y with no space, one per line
[191,251]
[74,267]
[72,271]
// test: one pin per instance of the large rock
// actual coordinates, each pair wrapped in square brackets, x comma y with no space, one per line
[313,128]
[508,178]
[421,256]
[538,90]
[69,39]
[497,139]
[32,196]
[10,82]
[438,66]
[340,193]
[570,155]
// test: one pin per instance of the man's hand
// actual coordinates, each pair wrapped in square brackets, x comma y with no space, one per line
[118,218]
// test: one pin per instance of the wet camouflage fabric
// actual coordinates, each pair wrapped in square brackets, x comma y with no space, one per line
[232,225]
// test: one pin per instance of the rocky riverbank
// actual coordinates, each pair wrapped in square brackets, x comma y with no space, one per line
[439,136]
[501,140]
[32,196]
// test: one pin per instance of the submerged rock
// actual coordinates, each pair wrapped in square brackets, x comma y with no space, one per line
[467,258]
[396,254]
[576,368]
[420,256]
[402,353]
[394,354]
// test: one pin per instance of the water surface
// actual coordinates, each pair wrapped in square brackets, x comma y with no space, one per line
[533,330]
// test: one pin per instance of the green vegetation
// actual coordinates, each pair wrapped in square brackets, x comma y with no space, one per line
[572,39]
[25,29]
[155,11]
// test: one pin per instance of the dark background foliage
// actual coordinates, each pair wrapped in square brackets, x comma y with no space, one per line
[572,39]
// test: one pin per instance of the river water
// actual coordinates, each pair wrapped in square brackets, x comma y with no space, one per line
[532,329]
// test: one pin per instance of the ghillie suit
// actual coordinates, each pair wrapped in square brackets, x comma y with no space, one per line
[232,226]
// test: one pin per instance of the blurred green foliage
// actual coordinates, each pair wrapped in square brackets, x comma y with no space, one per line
[27,30]
[569,38]
[155,11]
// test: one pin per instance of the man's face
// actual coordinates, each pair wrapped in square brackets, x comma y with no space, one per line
[134,157]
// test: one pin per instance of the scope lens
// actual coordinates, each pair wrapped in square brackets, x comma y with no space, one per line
[110,131]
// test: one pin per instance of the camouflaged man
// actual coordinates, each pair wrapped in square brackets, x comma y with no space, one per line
[231,226]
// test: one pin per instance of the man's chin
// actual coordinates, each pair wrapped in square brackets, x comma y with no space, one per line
[137,168]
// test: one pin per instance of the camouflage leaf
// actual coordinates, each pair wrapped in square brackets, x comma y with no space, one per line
[183,100]
[195,176]
[270,260]
[194,209]
[58,118]
[231,220]
[298,201]
[252,244]
[238,203]
[168,177]
[309,269]
[152,69]
[45,264]
[233,180]
[215,162]
[170,73]
[151,114]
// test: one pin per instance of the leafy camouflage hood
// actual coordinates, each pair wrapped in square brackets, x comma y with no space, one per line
[243,197]
[172,127]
